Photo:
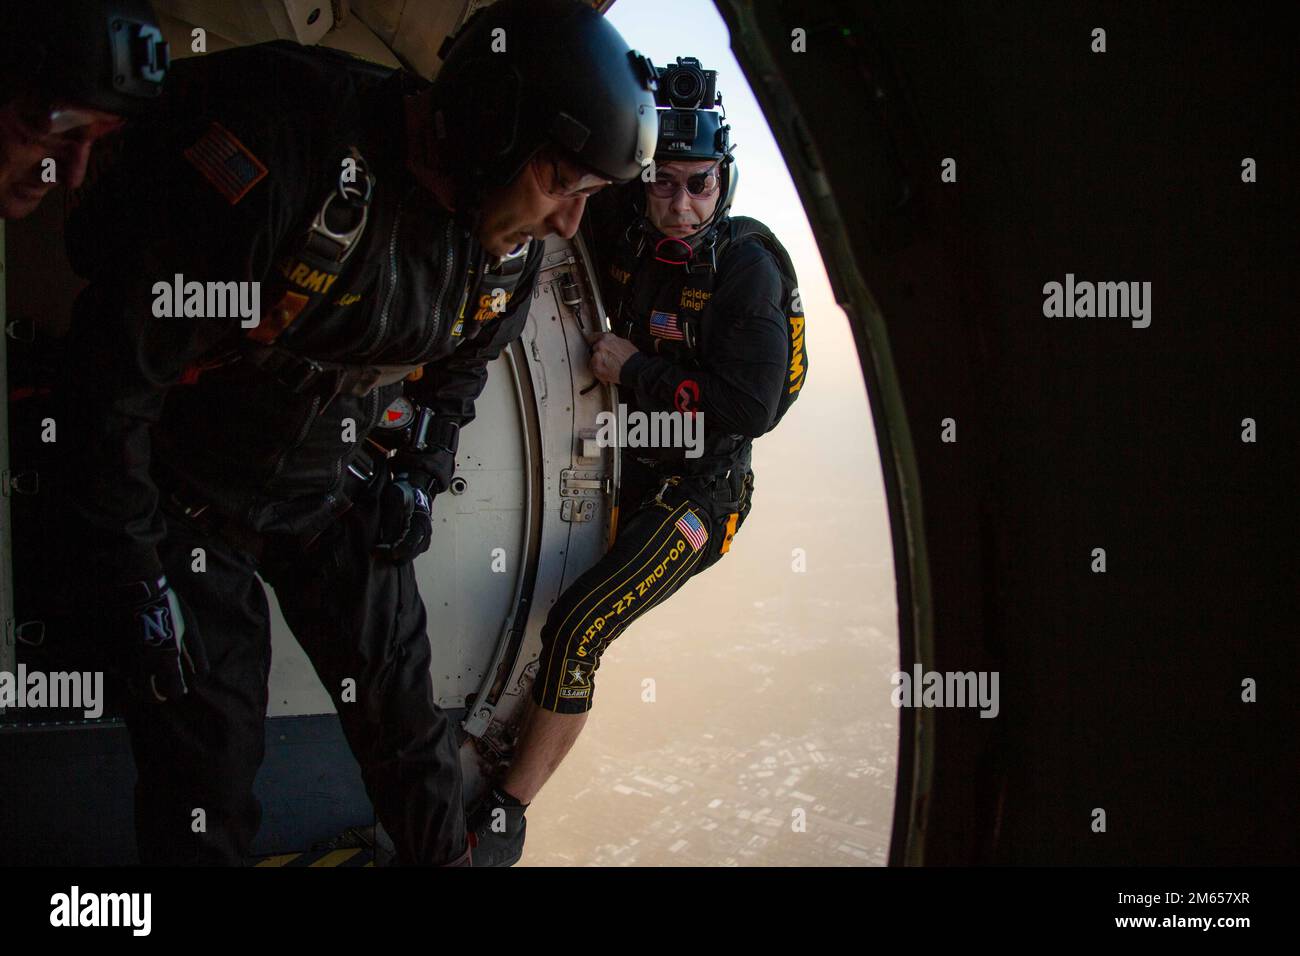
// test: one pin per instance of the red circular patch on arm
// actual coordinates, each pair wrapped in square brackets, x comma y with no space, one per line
[687,396]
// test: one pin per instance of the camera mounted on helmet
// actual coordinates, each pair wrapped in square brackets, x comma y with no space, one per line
[690,129]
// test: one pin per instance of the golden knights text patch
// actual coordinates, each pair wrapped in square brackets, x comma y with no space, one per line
[226,163]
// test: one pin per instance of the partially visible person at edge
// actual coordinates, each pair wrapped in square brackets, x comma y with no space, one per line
[63,89]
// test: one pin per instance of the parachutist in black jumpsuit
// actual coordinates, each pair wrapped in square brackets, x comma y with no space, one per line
[213,471]
[677,513]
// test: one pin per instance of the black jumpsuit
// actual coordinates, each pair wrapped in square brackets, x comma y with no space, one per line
[677,513]
[221,188]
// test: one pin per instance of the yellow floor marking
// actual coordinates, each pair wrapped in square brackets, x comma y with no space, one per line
[336,857]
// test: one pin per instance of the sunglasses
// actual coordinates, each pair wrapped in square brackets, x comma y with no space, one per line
[701,185]
[567,180]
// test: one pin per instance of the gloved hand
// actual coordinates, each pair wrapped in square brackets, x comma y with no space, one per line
[496,828]
[164,652]
[405,520]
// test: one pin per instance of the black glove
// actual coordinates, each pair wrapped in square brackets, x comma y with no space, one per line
[405,520]
[164,652]
[497,828]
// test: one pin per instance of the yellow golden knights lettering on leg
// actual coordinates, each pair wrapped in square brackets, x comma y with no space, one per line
[623,603]
[675,552]
[571,638]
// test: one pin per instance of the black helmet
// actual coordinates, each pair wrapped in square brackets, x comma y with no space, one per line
[523,73]
[105,54]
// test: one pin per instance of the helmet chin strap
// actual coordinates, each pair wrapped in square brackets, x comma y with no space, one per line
[674,252]
[696,252]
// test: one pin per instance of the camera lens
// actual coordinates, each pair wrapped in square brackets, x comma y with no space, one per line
[686,87]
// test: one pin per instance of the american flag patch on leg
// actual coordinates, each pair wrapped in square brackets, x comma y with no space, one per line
[226,163]
[693,530]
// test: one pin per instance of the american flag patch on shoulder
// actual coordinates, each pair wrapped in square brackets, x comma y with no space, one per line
[693,530]
[663,325]
[226,163]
